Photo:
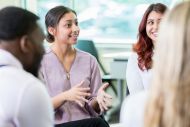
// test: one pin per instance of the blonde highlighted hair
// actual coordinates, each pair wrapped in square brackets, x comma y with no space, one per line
[169,99]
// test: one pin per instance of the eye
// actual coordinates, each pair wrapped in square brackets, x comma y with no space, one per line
[76,23]
[150,22]
[68,25]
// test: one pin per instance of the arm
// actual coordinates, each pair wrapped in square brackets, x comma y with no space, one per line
[57,100]
[95,83]
[102,100]
[133,78]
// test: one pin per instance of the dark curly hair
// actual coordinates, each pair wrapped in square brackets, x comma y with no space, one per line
[144,46]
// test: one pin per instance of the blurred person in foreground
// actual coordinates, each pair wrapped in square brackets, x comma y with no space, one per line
[24,101]
[168,102]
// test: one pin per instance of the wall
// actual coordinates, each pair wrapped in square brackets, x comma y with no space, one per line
[4,3]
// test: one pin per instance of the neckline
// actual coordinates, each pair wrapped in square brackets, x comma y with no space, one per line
[63,67]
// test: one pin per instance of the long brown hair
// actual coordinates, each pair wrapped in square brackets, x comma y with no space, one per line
[144,46]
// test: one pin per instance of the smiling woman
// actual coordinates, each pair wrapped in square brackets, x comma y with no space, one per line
[72,77]
[140,63]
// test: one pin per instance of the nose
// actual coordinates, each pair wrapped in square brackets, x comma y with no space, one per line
[156,25]
[76,28]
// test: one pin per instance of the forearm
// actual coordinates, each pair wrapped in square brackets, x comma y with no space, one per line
[59,100]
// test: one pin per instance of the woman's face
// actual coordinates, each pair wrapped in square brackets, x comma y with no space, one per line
[67,30]
[152,25]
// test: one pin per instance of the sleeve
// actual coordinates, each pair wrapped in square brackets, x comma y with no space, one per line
[35,108]
[133,78]
[95,83]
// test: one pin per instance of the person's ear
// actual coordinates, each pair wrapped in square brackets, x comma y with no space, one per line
[51,30]
[25,44]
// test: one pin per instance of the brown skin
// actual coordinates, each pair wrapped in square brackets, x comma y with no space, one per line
[19,48]
[27,49]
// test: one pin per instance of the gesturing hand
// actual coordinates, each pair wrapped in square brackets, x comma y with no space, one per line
[78,94]
[104,99]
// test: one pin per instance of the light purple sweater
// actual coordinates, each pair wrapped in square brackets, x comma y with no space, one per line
[84,67]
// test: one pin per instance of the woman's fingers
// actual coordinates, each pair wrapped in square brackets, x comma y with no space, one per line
[84,89]
[104,86]
[104,100]
[82,99]
[108,102]
[107,95]
[80,84]
[104,106]
[84,94]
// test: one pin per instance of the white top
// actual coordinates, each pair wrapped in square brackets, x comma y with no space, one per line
[137,80]
[24,101]
[132,110]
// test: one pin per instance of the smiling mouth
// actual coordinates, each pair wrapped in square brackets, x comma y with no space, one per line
[74,36]
[155,34]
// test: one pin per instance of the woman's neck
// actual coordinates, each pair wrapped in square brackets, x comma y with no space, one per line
[63,51]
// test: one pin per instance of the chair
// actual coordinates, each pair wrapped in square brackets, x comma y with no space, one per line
[88,46]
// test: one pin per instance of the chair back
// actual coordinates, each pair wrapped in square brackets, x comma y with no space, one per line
[88,46]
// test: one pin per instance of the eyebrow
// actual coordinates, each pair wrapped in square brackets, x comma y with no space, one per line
[70,20]
[153,19]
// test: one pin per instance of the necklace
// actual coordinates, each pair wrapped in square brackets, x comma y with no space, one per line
[62,62]
[68,76]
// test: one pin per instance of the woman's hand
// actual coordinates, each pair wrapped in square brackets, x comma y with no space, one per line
[78,94]
[104,100]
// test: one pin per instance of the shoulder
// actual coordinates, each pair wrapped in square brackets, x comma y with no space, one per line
[83,54]
[48,57]
[31,81]
[132,61]
[133,57]
[48,52]
[22,89]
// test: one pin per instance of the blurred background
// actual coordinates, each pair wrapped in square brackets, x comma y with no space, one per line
[111,25]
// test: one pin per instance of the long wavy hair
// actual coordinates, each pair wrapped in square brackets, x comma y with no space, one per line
[168,104]
[144,46]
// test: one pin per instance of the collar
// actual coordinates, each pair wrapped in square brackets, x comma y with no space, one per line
[7,59]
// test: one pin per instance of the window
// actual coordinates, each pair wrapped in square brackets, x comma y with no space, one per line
[106,19]
[111,24]
[112,18]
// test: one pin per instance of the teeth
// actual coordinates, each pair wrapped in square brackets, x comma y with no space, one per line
[73,35]
[155,34]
